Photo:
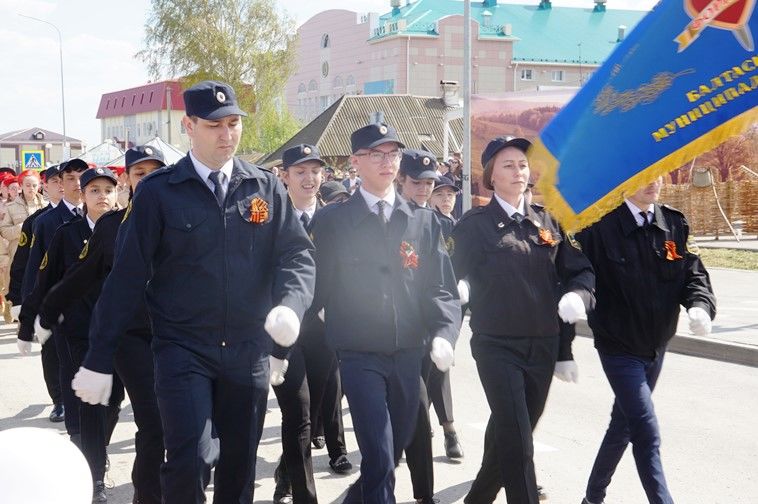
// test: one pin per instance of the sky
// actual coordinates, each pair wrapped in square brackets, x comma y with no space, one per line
[100,40]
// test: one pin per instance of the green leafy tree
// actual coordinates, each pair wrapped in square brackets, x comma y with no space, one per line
[245,43]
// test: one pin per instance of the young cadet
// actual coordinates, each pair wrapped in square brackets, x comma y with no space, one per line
[333,192]
[386,284]
[226,266]
[443,202]
[513,256]
[644,274]
[98,186]
[48,352]
[302,173]
[42,234]
[133,359]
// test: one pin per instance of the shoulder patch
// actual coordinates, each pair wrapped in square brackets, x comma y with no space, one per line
[43,264]
[128,211]
[450,245]
[34,237]
[84,251]
[22,240]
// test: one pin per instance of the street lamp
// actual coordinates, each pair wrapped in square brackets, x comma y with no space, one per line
[66,150]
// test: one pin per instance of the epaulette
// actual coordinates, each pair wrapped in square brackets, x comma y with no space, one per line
[473,211]
[71,222]
[159,172]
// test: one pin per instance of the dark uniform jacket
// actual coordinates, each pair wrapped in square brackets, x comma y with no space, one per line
[383,294]
[65,248]
[643,275]
[91,268]
[517,272]
[210,274]
[21,257]
[42,234]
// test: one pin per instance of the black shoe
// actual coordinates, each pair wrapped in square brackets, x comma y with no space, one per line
[453,448]
[98,492]
[57,415]
[341,465]
[427,500]
[585,501]
[319,442]
[283,489]
[541,494]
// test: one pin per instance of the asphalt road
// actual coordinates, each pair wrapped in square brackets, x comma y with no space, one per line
[707,411]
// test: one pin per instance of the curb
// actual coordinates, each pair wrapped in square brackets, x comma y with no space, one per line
[733,353]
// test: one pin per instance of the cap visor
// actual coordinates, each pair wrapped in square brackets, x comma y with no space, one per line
[428,174]
[222,112]
[383,141]
[147,158]
[451,186]
[75,164]
[303,160]
[109,177]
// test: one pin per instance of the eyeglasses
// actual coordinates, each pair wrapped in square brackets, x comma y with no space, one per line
[377,157]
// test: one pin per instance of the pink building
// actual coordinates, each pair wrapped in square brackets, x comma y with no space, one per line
[418,43]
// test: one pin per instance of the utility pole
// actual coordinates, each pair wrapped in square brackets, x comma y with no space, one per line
[466,147]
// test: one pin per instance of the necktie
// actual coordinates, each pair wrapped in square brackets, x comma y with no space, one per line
[218,188]
[382,216]
[645,221]
[305,220]
[517,217]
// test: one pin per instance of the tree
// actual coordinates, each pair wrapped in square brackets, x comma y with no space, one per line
[245,43]
[727,156]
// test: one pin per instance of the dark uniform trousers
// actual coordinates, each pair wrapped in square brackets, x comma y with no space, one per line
[440,394]
[383,394]
[418,453]
[294,401]
[516,375]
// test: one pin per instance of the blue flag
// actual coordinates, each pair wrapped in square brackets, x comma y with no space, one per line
[682,82]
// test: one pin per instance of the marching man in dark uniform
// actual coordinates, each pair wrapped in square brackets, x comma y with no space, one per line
[516,262]
[387,287]
[133,359]
[217,248]
[644,274]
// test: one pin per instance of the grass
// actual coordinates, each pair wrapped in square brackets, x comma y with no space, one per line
[729,258]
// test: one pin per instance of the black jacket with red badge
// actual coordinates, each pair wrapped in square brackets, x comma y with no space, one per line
[643,275]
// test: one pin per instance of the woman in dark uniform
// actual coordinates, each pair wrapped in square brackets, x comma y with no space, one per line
[515,260]
[98,186]
[133,359]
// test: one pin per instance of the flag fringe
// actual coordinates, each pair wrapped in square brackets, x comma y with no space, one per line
[571,221]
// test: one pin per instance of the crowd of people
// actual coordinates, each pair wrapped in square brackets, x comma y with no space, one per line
[219,279]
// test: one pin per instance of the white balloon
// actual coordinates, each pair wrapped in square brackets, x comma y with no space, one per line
[41,465]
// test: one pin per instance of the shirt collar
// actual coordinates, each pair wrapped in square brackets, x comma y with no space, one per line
[308,211]
[509,209]
[636,211]
[91,223]
[203,171]
[70,206]
[372,200]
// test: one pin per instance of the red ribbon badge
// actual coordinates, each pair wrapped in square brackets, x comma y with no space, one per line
[671,253]
[258,211]
[546,237]
[409,255]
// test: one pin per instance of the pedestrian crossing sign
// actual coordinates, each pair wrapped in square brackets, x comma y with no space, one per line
[32,159]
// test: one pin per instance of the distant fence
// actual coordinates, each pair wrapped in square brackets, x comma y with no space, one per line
[739,200]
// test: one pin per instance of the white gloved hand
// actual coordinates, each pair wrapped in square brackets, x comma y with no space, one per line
[442,353]
[278,368]
[463,291]
[283,325]
[24,347]
[92,387]
[15,311]
[567,371]
[571,307]
[321,315]
[42,334]
[700,321]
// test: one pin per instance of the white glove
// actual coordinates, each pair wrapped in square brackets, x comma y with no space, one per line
[463,291]
[700,321]
[278,368]
[321,315]
[42,334]
[571,307]
[92,387]
[15,311]
[283,325]
[566,371]
[24,347]
[442,353]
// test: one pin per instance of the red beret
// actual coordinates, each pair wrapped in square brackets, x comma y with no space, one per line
[10,179]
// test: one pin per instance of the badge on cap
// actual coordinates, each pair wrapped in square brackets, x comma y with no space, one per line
[99,171]
[148,151]
[383,129]
[306,150]
[426,161]
[500,225]
[220,96]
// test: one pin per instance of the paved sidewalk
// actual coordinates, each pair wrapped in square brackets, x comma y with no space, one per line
[748,242]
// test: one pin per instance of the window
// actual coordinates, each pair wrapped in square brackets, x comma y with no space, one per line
[134,97]
[301,88]
[557,75]
[526,74]
[312,86]
[325,41]
[139,130]
[325,69]
[142,98]
[151,97]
